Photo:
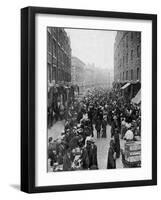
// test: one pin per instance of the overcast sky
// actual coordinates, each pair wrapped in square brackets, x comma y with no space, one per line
[93,46]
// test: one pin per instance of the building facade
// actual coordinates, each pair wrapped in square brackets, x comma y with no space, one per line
[127,56]
[77,73]
[60,89]
[58,56]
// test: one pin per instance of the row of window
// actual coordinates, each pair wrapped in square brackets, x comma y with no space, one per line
[124,60]
[63,58]
[53,47]
[51,44]
[60,35]
[131,37]
[58,74]
[128,38]
[129,75]
[63,39]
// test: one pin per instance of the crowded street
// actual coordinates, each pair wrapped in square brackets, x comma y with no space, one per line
[92,124]
[94,100]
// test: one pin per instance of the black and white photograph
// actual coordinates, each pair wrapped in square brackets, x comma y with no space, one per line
[89,99]
[93,99]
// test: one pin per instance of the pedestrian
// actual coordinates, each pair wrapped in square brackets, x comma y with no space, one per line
[117,143]
[92,154]
[111,162]
[61,111]
[114,125]
[84,158]
[104,124]
[123,128]
[98,127]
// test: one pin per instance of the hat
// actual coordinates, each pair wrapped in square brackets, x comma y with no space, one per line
[114,117]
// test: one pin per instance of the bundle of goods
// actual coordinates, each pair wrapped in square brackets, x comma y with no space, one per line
[132,154]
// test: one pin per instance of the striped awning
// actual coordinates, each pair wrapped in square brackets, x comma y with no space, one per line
[125,86]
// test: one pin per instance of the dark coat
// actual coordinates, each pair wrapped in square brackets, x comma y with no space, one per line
[111,163]
[85,158]
[80,116]
[66,163]
[114,125]
[104,124]
[74,142]
[117,145]
[98,125]
[92,154]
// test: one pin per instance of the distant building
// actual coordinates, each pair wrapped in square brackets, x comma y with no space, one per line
[97,77]
[58,55]
[127,56]
[89,76]
[77,72]
[102,77]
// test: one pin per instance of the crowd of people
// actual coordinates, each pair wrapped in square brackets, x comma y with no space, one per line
[76,148]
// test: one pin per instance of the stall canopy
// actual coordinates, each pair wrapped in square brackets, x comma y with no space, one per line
[137,98]
[125,86]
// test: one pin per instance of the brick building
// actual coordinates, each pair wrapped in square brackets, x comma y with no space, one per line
[58,55]
[60,90]
[127,56]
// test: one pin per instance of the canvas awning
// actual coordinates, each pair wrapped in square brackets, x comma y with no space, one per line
[137,98]
[125,86]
